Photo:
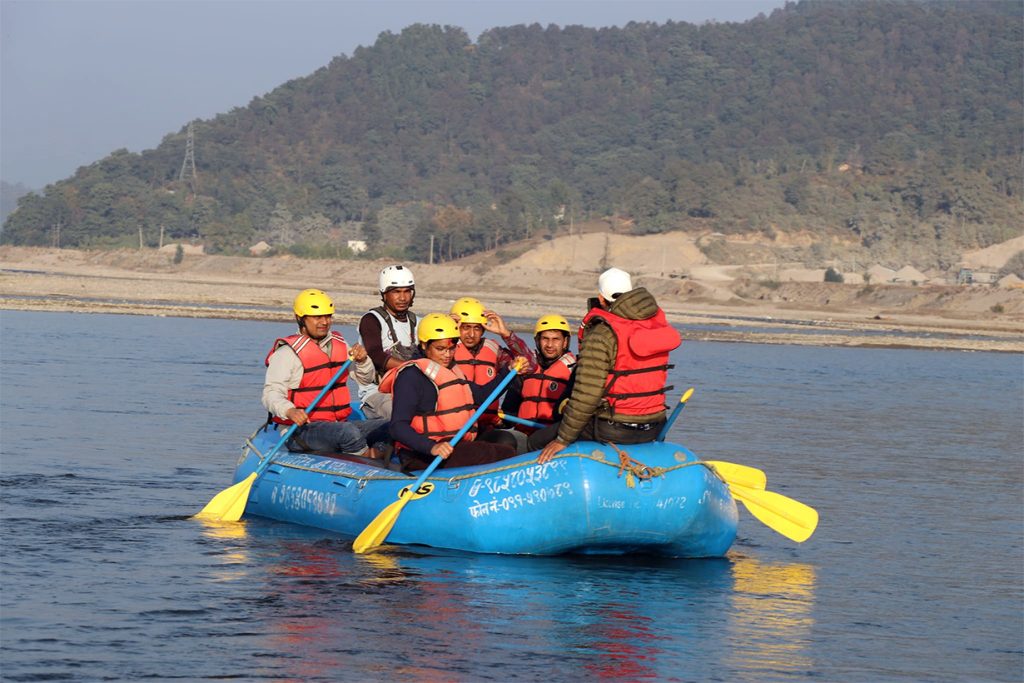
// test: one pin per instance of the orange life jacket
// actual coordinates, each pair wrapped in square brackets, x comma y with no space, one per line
[454,404]
[481,368]
[636,383]
[542,390]
[317,370]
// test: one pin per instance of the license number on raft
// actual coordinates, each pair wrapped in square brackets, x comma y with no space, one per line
[301,499]
[526,476]
[537,496]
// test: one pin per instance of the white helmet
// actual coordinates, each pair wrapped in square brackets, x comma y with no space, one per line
[395,276]
[613,282]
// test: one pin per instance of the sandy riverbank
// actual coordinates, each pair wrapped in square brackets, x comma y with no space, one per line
[149,283]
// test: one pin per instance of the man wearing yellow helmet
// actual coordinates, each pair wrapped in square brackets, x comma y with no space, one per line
[535,396]
[299,367]
[480,358]
[433,400]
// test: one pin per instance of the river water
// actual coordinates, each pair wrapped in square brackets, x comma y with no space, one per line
[121,427]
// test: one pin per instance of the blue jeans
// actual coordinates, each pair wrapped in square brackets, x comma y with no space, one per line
[350,438]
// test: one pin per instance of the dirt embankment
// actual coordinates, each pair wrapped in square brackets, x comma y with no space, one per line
[725,304]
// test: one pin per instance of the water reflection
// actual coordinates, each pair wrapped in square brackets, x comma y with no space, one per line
[232,555]
[599,618]
[623,641]
[428,615]
[772,617]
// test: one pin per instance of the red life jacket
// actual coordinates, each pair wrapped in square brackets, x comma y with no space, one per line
[636,383]
[317,370]
[542,391]
[454,404]
[481,368]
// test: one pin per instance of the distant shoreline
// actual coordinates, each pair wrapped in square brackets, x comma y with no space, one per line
[840,337]
[238,288]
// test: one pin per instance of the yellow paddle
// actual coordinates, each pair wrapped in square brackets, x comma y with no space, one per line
[789,517]
[766,508]
[229,504]
[731,473]
[377,530]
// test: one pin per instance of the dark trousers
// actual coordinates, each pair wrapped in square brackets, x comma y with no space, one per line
[464,454]
[604,431]
[350,437]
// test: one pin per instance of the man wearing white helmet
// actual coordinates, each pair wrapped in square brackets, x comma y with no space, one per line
[388,332]
[619,392]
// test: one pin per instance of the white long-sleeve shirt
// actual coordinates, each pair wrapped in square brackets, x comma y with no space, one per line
[285,372]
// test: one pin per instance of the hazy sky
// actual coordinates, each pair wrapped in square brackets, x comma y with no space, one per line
[81,78]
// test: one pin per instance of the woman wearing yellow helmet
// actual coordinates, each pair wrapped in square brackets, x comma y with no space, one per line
[433,399]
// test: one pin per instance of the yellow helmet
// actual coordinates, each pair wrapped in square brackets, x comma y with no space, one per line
[436,326]
[469,310]
[551,322]
[313,302]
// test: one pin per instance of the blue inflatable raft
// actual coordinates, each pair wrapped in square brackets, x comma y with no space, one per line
[583,501]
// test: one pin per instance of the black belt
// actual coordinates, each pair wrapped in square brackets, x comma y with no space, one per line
[646,427]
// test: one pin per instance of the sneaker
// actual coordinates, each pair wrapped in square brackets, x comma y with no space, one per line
[381,451]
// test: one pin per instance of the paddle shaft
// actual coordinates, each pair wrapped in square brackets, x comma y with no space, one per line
[291,430]
[378,529]
[675,413]
[465,428]
[229,504]
[520,420]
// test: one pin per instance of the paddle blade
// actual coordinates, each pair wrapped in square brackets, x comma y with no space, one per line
[789,517]
[229,504]
[731,473]
[377,530]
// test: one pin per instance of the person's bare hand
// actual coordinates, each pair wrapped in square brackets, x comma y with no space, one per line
[550,450]
[297,415]
[442,448]
[357,353]
[496,325]
[521,364]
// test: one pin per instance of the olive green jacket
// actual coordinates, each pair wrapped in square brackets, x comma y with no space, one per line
[596,359]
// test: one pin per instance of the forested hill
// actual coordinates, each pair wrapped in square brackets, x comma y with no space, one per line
[10,193]
[884,124]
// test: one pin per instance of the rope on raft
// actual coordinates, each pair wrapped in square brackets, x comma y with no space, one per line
[634,468]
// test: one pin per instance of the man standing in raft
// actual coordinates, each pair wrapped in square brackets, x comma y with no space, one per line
[389,334]
[299,367]
[619,392]
[433,400]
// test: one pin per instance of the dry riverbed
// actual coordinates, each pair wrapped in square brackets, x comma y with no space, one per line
[149,283]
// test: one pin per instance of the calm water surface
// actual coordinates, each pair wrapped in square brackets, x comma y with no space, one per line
[115,429]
